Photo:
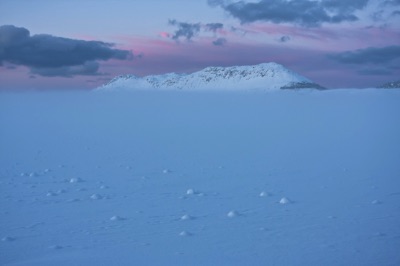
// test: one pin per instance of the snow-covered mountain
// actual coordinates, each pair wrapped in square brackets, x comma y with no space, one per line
[266,76]
[391,85]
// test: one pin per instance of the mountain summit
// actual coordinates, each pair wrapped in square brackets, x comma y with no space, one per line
[391,85]
[266,76]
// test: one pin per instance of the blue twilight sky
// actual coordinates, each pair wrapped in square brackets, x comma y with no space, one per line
[79,44]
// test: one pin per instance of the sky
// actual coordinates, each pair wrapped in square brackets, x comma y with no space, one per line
[78,44]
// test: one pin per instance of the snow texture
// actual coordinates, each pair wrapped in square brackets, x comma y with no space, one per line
[101,159]
[391,85]
[266,76]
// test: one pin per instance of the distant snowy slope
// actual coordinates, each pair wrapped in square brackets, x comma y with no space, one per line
[266,76]
[391,85]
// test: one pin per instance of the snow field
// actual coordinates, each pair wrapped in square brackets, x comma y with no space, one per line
[250,178]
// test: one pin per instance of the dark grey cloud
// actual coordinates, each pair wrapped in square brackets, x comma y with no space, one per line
[372,55]
[89,68]
[309,13]
[185,30]
[190,30]
[238,31]
[284,39]
[220,42]
[48,55]
[214,26]
[377,16]
[396,13]
[344,5]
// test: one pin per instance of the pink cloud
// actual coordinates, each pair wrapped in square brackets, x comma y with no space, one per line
[253,44]
[164,34]
[164,56]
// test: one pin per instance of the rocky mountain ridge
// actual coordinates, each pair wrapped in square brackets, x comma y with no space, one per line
[266,76]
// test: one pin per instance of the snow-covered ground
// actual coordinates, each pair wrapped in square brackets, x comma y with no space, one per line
[181,178]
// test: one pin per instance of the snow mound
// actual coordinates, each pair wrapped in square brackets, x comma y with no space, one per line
[96,197]
[117,218]
[232,214]
[266,76]
[284,201]
[185,233]
[76,180]
[8,239]
[186,217]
